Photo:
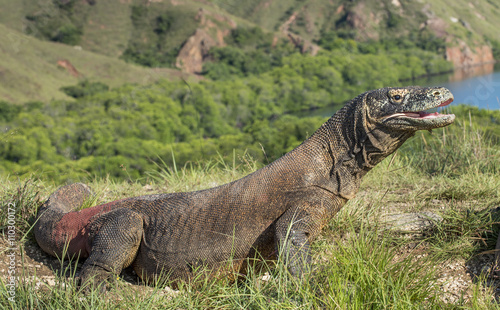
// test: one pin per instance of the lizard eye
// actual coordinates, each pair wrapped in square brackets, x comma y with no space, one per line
[397,97]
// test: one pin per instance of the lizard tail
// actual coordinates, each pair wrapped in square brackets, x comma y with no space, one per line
[66,199]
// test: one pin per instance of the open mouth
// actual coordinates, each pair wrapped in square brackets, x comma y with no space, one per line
[423,114]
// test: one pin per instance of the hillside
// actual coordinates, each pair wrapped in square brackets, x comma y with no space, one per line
[463,25]
[170,33]
[373,19]
[29,68]
[103,38]
[115,27]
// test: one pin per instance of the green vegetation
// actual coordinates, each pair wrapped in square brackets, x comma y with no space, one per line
[495,46]
[85,88]
[249,51]
[158,34]
[150,33]
[357,263]
[421,39]
[58,21]
[125,131]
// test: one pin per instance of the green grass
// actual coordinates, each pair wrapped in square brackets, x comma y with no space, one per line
[109,28]
[357,263]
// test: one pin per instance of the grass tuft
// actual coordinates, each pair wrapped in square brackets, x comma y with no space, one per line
[24,198]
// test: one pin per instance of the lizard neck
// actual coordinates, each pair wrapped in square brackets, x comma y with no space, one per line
[352,144]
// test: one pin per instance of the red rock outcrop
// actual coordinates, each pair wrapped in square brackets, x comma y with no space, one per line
[190,58]
[305,46]
[463,56]
[66,64]
[195,50]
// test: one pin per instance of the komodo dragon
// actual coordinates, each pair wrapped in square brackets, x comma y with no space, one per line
[280,208]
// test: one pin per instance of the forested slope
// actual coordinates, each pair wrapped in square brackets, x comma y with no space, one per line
[128,131]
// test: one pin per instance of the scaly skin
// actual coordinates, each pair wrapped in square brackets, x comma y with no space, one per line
[280,208]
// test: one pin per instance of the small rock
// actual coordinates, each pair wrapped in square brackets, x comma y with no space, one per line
[412,222]
[50,282]
[412,245]
[170,291]
[266,277]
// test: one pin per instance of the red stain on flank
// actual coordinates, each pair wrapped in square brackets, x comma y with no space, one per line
[74,227]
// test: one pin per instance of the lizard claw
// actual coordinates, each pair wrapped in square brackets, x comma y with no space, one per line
[94,278]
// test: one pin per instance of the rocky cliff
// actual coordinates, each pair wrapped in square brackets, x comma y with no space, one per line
[212,29]
[464,56]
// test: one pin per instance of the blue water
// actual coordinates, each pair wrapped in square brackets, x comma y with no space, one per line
[478,86]
[481,91]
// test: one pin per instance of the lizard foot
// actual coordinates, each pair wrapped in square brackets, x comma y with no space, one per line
[94,277]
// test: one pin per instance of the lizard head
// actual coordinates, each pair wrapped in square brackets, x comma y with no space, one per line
[375,124]
[404,108]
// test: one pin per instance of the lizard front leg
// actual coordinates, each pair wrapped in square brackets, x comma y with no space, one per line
[300,225]
[294,232]
[115,241]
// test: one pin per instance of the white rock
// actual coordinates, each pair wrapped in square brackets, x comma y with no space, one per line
[50,282]
[171,291]
[266,277]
